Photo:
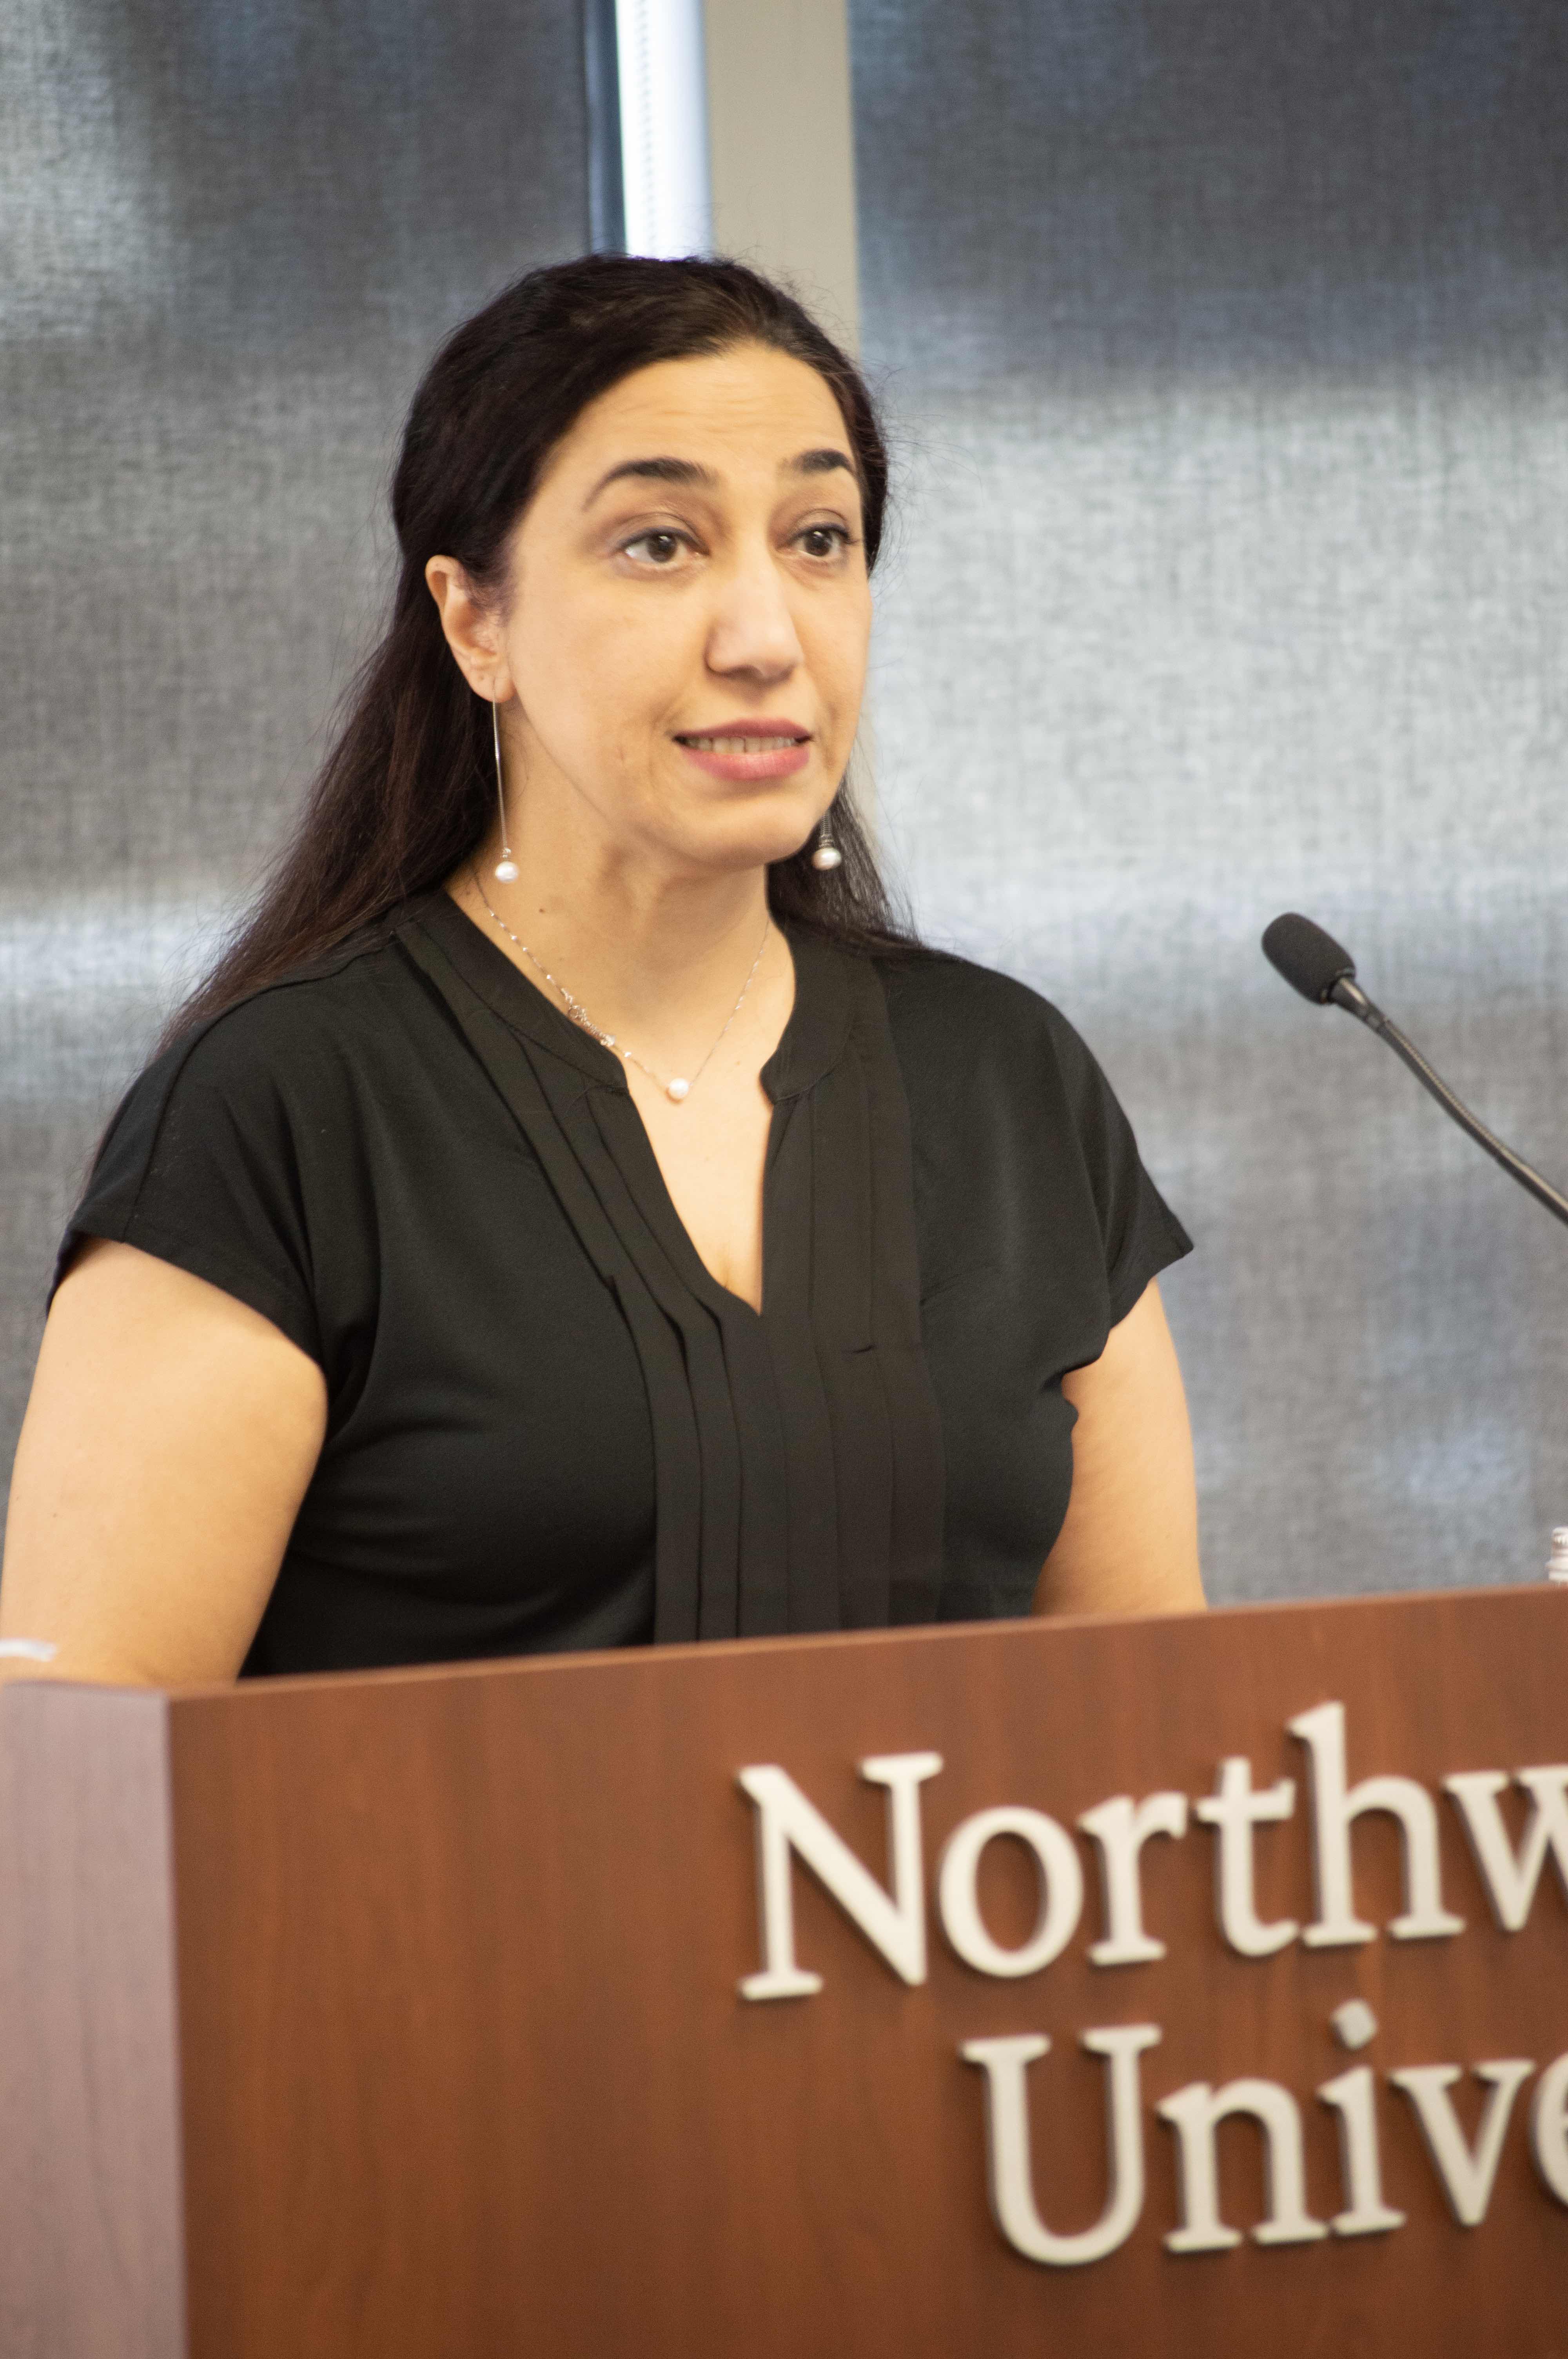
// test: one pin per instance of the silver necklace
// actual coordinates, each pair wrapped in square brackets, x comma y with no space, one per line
[680,1087]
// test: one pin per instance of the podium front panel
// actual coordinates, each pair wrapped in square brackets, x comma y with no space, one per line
[466,2062]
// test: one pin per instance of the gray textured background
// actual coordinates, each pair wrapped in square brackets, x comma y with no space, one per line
[231,232]
[1227,344]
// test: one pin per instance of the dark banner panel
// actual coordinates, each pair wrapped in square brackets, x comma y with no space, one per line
[1225,346]
[230,236]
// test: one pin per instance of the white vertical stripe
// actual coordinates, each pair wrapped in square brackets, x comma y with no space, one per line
[664,126]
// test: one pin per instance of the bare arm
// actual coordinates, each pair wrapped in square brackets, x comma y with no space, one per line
[169,1442]
[1129,1544]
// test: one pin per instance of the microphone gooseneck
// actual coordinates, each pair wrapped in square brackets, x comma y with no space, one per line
[1314,964]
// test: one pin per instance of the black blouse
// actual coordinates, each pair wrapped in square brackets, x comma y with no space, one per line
[549,1427]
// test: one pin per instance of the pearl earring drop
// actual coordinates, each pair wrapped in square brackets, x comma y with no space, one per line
[826,854]
[505,869]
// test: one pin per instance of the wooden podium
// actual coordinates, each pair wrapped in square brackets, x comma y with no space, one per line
[402,2014]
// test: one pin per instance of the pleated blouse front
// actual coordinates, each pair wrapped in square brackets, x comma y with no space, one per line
[798,1455]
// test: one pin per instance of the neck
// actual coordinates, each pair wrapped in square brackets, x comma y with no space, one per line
[652,951]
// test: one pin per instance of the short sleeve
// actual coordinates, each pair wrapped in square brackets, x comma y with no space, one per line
[1139,1235]
[201,1168]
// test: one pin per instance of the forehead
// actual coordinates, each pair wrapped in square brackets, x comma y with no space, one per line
[746,410]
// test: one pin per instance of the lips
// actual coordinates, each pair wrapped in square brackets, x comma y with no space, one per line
[748,750]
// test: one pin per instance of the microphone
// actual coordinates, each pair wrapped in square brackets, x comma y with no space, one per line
[1314,964]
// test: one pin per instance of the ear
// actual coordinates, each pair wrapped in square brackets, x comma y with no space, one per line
[473,630]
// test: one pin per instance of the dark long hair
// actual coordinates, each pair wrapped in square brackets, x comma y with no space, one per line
[407,789]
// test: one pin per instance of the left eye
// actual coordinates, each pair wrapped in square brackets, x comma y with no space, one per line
[823,539]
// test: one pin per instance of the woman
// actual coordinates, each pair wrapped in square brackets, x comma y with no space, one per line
[575,1214]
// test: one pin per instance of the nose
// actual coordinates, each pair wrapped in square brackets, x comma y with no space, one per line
[752,634]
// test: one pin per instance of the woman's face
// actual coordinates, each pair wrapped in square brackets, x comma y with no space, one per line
[682,648]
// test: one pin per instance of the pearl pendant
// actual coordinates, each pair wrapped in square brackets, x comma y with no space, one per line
[505,872]
[827,855]
[676,1090]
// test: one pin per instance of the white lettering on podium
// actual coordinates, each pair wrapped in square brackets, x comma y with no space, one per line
[1061,1891]
[1465,2172]
[1120,1828]
[1548,2127]
[787,1821]
[1195,2112]
[1510,1881]
[1236,1809]
[1333,1809]
[1009,2167]
[891,1919]
[1365,2212]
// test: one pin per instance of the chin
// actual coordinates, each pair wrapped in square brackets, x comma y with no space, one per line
[752,835]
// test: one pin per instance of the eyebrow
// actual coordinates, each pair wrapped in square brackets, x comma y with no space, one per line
[689,472]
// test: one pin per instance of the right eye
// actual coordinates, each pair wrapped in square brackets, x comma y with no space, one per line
[657,549]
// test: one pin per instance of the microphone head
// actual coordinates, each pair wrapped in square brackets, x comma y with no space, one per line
[1311,961]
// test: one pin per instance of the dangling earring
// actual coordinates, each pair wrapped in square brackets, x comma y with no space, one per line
[826,854]
[505,870]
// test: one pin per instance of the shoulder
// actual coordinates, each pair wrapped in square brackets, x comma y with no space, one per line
[323,1015]
[337,1001]
[288,1053]
[994,1070]
[1015,1129]
[233,1154]
[955,1014]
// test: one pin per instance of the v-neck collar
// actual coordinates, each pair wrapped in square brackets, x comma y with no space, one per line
[810,1046]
